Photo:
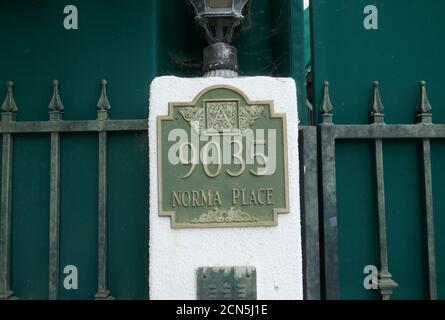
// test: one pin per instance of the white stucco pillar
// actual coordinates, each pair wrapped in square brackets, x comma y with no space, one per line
[275,252]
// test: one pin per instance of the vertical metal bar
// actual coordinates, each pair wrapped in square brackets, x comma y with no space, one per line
[102,115]
[54,217]
[5,220]
[9,109]
[381,204]
[425,117]
[386,284]
[309,208]
[428,190]
[56,111]
[103,292]
[329,198]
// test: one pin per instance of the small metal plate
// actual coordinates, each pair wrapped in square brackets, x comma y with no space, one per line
[226,283]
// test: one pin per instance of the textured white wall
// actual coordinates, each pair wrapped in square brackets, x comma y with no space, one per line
[274,251]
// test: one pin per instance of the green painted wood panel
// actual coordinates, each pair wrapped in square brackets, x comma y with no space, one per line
[406,48]
[405,221]
[78,226]
[127,207]
[30,220]
[357,218]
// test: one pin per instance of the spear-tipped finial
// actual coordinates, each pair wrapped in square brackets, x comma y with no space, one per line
[376,104]
[104,103]
[9,104]
[56,103]
[326,105]
[424,105]
[377,109]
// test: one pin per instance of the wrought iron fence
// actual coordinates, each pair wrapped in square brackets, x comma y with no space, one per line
[377,131]
[56,127]
[320,245]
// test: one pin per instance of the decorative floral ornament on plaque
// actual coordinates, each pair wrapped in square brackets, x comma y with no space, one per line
[222,116]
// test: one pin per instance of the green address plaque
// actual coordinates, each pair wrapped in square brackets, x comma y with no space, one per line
[222,161]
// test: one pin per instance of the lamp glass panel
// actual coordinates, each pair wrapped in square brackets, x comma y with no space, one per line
[220,3]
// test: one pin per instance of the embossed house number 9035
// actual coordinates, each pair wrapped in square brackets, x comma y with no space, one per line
[218,152]
[228,126]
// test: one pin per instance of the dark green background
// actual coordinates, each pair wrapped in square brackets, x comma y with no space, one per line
[128,43]
[407,47]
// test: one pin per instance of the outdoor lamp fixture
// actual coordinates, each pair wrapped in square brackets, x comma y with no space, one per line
[220,21]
